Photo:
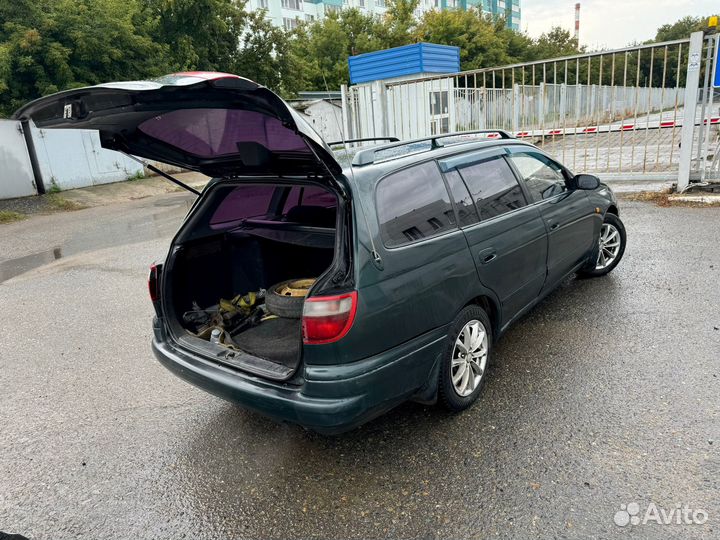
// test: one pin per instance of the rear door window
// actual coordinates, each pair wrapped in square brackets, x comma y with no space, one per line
[464,203]
[413,204]
[493,186]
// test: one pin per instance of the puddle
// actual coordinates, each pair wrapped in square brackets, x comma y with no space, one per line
[15,267]
[101,235]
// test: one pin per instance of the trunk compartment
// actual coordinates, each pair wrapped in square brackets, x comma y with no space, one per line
[243,239]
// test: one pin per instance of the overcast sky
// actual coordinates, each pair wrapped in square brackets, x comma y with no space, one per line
[610,23]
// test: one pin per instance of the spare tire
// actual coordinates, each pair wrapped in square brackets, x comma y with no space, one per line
[286,299]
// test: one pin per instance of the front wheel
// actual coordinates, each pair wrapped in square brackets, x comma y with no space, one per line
[465,358]
[611,247]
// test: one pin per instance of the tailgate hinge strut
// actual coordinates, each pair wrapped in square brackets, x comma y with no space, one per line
[165,175]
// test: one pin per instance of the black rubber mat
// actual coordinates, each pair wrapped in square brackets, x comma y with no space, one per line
[278,340]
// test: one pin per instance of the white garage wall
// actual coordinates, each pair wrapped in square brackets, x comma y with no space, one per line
[16,175]
[71,158]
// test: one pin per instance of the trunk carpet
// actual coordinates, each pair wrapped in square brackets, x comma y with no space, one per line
[277,340]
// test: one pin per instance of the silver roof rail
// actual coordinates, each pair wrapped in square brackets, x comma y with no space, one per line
[365,139]
[367,156]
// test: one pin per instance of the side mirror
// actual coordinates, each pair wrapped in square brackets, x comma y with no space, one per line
[586,181]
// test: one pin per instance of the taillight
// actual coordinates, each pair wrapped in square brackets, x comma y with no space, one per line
[327,319]
[154,282]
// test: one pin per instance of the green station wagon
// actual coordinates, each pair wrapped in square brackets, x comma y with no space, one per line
[326,295]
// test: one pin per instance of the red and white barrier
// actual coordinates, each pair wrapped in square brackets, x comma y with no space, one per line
[608,128]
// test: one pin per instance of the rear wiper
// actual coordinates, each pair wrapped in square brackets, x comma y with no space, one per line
[165,175]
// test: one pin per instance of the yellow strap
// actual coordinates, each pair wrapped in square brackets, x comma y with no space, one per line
[241,302]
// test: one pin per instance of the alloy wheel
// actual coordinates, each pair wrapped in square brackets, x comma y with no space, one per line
[469,358]
[609,246]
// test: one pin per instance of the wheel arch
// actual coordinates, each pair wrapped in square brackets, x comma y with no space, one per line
[612,209]
[491,308]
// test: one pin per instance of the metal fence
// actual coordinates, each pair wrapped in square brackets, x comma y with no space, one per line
[533,107]
[705,165]
[618,113]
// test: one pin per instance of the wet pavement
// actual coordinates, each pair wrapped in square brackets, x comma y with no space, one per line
[607,393]
[30,244]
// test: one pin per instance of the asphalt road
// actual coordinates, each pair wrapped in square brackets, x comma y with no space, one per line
[607,393]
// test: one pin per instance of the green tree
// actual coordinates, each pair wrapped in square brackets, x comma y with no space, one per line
[555,43]
[365,33]
[200,34]
[680,29]
[323,47]
[107,41]
[266,56]
[49,46]
[399,22]
[483,41]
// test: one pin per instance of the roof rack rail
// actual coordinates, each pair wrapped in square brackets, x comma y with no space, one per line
[367,139]
[367,156]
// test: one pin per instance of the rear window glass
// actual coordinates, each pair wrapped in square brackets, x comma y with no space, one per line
[217,132]
[413,204]
[243,202]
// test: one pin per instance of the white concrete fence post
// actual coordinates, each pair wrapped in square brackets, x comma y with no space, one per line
[346,120]
[692,85]
[379,99]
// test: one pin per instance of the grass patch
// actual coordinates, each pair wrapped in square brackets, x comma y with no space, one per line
[7,216]
[658,197]
[666,198]
[56,202]
[137,176]
[54,188]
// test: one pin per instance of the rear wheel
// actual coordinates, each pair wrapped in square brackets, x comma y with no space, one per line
[611,247]
[465,358]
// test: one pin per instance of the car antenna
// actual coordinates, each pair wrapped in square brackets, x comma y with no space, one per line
[165,175]
[377,260]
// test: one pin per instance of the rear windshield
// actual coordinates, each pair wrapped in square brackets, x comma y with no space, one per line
[221,132]
[302,205]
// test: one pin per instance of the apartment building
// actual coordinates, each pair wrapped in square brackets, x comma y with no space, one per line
[289,13]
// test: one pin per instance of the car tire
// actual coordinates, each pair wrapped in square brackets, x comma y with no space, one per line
[612,229]
[454,366]
[289,307]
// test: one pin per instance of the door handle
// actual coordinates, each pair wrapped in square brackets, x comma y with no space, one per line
[554,226]
[487,255]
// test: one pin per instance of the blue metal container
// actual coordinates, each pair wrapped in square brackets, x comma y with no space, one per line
[403,61]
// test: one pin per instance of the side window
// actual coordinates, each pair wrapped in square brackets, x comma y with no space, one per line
[242,202]
[464,202]
[543,177]
[493,186]
[413,204]
[310,205]
[308,196]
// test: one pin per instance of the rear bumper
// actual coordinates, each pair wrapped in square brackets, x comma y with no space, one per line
[341,398]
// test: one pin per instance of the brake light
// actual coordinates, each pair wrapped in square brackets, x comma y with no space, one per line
[154,282]
[327,319]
